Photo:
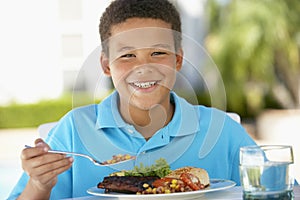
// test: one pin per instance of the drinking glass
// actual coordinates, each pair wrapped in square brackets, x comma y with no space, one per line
[266,172]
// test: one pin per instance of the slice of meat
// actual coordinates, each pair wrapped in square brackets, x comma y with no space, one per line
[200,173]
[125,184]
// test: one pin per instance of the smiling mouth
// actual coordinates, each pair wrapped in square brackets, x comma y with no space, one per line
[144,85]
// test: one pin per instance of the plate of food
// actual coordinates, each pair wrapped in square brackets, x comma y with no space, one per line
[216,185]
[159,182]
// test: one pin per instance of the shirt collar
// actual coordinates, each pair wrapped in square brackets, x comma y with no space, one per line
[108,113]
[185,119]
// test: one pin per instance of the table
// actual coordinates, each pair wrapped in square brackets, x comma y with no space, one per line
[234,193]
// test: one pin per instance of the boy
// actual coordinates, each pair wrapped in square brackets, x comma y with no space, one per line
[141,52]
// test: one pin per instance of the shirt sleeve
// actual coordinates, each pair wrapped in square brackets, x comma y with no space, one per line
[17,190]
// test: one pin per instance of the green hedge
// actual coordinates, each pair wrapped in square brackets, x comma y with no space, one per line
[32,115]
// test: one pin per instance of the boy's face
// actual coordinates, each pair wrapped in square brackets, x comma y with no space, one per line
[142,62]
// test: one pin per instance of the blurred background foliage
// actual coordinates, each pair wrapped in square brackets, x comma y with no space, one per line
[255,44]
[32,115]
[18,115]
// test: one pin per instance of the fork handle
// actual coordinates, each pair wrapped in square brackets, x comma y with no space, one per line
[70,153]
[63,152]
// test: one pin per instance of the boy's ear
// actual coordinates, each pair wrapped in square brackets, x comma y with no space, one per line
[179,59]
[105,64]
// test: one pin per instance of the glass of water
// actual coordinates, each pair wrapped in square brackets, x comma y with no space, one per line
[266,172]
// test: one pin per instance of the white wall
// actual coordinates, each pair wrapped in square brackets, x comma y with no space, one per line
[32,64]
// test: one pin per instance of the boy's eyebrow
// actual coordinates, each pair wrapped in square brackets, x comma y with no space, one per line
[128,48]
[164,46]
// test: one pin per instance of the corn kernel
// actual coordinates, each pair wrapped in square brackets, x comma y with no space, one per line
[174,181]
[145,185]
[167,191]
[154,190]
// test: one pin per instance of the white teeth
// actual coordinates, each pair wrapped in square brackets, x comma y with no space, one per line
[144,84]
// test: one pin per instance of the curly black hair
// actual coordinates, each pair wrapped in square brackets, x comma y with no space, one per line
[121,10]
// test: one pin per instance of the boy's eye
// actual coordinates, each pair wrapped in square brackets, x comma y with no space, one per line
[128,55]
[157,53]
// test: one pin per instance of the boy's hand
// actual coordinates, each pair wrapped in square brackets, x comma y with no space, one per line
[43,167]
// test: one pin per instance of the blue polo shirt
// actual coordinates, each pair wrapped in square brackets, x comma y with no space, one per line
[196,136]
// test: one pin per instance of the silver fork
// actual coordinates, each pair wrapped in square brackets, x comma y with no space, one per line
[85,156]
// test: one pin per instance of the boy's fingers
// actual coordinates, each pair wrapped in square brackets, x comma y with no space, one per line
[47,174]
[29,153]
[45,159]
[40,148]
[40,143]
[44,168]
[51,174]
[39,140]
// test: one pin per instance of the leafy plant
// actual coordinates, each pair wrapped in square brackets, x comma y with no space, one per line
[161,168]
[255,44]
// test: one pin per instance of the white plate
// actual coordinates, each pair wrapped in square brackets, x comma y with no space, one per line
[215,185]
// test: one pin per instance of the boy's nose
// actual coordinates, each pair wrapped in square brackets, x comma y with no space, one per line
[144,69]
